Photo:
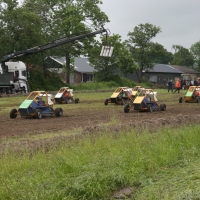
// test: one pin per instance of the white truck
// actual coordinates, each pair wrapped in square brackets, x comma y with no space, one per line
[15,70]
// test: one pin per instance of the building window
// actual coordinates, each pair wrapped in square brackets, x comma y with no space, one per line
[88,77]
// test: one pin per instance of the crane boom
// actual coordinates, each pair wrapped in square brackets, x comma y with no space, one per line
[50,45]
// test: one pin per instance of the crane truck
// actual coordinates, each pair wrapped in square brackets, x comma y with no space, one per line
[14,70]
[9,70]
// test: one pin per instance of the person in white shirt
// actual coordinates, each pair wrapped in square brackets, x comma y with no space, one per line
[16,86]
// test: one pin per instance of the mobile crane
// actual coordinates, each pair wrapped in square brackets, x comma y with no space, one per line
[7,76]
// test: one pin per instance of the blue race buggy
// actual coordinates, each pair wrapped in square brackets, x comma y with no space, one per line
[38,104]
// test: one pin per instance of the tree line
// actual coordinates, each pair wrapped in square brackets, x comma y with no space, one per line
[32,23]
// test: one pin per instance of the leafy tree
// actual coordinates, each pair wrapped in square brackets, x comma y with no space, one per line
[50,20]
[20,29]
[182,56]
[67,18]
[141,46]
[160,55]
[195,51]
[120,60]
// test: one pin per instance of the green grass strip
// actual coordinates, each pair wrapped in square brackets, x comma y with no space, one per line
[160,165]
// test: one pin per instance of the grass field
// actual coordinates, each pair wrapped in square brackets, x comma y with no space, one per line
[161,165]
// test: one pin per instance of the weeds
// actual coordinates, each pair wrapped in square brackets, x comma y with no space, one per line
[94,169]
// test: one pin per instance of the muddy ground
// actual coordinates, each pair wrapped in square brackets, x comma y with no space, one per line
[87,117]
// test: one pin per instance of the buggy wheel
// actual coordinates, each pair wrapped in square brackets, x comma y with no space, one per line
[77,100]
[69,100]
[126,101]
[163,107]
[106,102]
[13,113]
[58,112]
[119,102]
[180,99]
[59,101]
[38,114]
[126,108]
[150,109]
[198,99]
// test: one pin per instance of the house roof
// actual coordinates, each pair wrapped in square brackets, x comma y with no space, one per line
[60,60]
[184,69]
[163,68]
[81,64]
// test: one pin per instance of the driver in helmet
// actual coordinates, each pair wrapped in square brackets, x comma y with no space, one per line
[38,100]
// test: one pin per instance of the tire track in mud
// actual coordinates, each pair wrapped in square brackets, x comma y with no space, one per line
[150,125]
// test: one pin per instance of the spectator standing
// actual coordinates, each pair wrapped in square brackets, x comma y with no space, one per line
[170,85]
[196,82]
[16,86]
[177,86]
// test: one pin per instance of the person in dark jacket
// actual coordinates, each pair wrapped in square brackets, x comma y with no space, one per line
[170,86]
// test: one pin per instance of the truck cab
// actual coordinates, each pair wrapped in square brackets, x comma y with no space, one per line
[18,69]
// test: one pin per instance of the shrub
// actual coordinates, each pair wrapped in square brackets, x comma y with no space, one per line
[48,81]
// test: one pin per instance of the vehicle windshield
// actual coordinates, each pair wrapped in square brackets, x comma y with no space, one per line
[24,73]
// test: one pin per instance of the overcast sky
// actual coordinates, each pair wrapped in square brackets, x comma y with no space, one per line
[179,20]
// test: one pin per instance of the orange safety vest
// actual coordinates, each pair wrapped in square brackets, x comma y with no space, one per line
[178,84]
[66,94]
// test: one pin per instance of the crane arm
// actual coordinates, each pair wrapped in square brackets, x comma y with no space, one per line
[50,45]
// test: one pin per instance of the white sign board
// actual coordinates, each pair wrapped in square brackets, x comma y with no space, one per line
[106,51]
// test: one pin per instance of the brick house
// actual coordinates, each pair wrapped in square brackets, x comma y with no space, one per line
[82,72]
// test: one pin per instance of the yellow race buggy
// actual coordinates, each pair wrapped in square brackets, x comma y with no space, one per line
[192,95]
[122,95]
[146,100]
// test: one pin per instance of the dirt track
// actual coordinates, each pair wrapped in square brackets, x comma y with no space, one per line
[85,115]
